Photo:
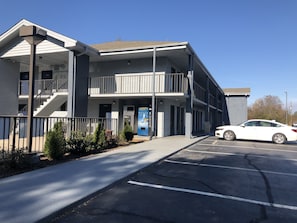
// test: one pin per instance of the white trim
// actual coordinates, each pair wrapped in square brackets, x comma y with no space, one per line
[69,43]
[138,95]
[112,53]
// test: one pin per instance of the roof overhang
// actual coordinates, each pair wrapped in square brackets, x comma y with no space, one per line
[69,43]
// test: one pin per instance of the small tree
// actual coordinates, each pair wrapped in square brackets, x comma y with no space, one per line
[100,137]
[127,133]
[55,142]
[97,133]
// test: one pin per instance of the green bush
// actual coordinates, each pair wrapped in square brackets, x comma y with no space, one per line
[55,143]
[127,133]
[79,144]
[97,133]
[100,140]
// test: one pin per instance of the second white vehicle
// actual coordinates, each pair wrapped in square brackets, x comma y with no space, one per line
[258,129]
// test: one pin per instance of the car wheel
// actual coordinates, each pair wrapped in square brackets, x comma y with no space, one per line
[229,135]
[279,138]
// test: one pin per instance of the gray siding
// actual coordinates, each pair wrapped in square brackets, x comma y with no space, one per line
[237,109]
[122,67]
[9,74]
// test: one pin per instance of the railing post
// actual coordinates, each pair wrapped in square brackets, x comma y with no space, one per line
[14,132]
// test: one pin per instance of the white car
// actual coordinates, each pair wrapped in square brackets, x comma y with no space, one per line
[258,129]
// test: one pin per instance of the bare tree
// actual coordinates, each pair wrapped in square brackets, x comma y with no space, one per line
[269,107]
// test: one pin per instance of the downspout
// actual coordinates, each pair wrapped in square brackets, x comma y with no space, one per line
[73,87]
[153,94]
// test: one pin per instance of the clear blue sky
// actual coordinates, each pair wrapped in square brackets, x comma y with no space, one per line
[243,43]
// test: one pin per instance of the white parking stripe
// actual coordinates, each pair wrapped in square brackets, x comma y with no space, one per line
[236,154]
[209,194]
[215,142]
[247,147]
[229,167]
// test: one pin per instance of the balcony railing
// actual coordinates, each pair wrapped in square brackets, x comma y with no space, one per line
[199,92]
[138,83]
[45,87]
[42,88]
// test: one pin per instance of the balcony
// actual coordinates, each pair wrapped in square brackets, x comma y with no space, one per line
[139,83]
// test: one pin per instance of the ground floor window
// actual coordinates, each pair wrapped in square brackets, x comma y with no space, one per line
[104,110]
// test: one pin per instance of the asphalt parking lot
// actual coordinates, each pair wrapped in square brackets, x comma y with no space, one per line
[211,181]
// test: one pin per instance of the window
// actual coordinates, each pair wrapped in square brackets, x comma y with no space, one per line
[103,109]
[47,74]
[252,123]
[24,76]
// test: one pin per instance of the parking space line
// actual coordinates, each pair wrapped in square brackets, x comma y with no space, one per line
[209,194]
[215,142]
[229,167]
[247,147]
[236,154]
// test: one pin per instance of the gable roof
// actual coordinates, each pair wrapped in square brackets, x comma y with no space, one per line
[69,43]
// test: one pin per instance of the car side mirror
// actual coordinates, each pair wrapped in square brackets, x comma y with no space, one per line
[242,125]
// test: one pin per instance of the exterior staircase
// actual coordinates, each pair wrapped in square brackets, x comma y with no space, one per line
[53,103]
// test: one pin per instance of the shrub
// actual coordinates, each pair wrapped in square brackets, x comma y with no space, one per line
[127,133]
[102,141]
[78,143]
[16,159]
[97,133]
[55,142]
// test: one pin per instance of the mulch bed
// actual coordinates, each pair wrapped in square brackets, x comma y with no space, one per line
[6,171]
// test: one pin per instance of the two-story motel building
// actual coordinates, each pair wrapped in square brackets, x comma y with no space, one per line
[126,81]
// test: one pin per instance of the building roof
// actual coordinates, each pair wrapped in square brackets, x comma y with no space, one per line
[13,33]
[237,91]
[124,45]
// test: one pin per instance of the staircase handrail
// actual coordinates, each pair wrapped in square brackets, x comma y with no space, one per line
[38,96]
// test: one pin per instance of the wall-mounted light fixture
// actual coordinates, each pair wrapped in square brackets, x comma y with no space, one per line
[161,102]
[113,102]
[129,62]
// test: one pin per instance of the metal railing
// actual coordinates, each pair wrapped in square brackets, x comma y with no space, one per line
[13,130]
[138,83]
[199,92]
[42,88]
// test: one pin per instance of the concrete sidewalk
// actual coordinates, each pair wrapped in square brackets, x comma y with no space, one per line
[35,195]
